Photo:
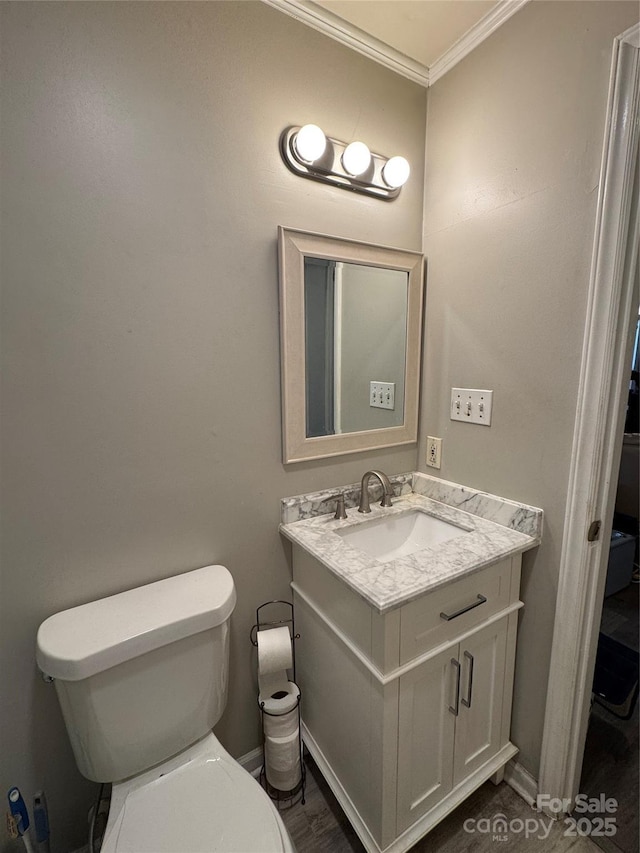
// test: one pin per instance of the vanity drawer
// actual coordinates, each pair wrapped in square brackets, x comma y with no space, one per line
[466,602]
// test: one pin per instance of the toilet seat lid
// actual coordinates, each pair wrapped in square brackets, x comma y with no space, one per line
[209,806]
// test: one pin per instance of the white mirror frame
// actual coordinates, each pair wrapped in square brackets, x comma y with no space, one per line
[293,247]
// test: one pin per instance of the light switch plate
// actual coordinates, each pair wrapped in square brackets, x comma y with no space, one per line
[382,395]
[471,405]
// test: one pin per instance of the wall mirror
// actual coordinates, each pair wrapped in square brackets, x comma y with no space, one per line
[350,331]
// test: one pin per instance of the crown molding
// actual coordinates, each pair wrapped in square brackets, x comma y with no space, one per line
[495,18]
[342,31]
[632,36]
[307,12]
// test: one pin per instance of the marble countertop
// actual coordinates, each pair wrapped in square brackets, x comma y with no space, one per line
[495,529]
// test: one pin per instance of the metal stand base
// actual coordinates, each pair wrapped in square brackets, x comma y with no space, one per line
[285,799]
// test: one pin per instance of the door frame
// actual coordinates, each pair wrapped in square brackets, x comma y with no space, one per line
[598,433]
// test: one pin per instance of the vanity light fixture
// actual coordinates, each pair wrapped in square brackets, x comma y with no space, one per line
[308,152]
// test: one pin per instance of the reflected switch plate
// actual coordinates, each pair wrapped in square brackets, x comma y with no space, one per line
[382,395]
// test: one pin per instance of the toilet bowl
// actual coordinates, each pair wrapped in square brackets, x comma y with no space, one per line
[142,679]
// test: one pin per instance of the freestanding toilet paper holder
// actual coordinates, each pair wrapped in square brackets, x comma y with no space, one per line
[263,624]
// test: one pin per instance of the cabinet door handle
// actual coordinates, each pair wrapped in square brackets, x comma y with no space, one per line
[455,708]
[467,702]
[449,616]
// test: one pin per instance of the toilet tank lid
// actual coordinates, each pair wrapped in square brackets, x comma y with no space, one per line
[84,640]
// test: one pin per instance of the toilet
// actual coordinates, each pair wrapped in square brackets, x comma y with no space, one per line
[142,678]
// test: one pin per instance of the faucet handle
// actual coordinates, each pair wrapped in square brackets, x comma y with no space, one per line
[386,498]
[341,512]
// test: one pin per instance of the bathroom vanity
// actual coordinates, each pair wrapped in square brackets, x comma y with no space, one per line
[407,620]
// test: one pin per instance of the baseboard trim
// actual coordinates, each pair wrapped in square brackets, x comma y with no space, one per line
[252,761]
[521,781]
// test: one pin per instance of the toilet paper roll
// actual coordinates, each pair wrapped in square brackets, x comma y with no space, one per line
[275,657]
[282,752]
[282,702]
[274,684]
[286,781]
[274,650]
[281,726]
[282,761]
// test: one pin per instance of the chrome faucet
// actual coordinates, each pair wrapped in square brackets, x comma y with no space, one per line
[364,490]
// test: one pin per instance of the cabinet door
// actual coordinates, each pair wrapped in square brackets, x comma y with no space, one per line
[482,660]
[426,729]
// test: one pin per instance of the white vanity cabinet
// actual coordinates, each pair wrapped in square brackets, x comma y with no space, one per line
[460,693]
[406,712]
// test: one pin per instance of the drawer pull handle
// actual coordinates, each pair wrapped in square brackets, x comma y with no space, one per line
[455,708]
[467,702]
[449,616]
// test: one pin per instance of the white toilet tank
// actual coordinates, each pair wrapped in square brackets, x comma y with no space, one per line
[143,674]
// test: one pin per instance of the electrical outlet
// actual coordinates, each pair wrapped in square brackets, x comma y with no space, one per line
[434,451]
[471,405]
[382,395]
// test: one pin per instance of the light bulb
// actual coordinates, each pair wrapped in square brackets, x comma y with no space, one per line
[310,142]
[395,172]
[356,158]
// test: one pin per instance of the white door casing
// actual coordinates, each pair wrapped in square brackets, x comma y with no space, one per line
[598,431]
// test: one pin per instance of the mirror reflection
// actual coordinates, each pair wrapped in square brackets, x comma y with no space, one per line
[355,345]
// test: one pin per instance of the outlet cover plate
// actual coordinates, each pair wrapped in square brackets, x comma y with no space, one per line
[471,405]
[434,452]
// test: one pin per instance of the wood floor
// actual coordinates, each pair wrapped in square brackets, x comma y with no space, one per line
[612,747]
[321,827]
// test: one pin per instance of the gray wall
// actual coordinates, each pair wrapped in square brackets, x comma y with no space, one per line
[514,143]
[374,311]
[142,187]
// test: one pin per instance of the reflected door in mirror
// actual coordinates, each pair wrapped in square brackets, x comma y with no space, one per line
[355,334]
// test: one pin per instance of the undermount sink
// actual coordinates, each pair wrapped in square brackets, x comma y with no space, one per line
[399,535]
